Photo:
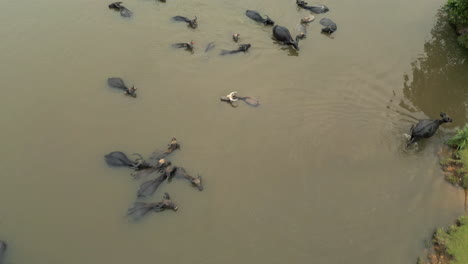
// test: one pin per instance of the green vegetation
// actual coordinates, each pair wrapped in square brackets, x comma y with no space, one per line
[458,15]
[454,162]
[454,241]
[460,140]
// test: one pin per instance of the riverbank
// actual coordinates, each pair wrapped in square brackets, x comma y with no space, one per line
[449,245]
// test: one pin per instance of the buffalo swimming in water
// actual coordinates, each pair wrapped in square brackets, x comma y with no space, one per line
[182,174]
[119,159]
[191,22]
[140,209]
[171,147]
[235,37]
[329,25]
[187,45]
[282,34]
[125,12]
[427,128]
[242,48]
[210,46]
[3,248]
[149,187]
[315,9]
[257,17]
[233,97]
[119,83]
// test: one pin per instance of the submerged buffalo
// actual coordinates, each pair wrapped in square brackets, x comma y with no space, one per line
[242,48]
[187,45]
[171,147]
[282,34]
[315,9]
[235,37]
[181,173]
[140,209]
[119,84]
[149,187]
[120,159]
[257,17]
[125,12]
[210,46]
[232,97]
[190,22]
[3,248]
[427,128]
[329,25]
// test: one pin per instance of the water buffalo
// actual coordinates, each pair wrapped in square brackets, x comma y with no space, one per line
[282,34]
[233,97]
[118,83]
[315,9]
[140,209]
[181,173]
[257,17]
[242,48]
[125,12]
[190,22]
[172,146]
[329,25]
[427,128]
[3,248]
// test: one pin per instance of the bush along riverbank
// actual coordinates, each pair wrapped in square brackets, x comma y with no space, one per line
[457,11]
[450,245]
[454,158]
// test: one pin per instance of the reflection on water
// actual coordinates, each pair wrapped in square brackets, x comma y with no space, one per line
[440,76]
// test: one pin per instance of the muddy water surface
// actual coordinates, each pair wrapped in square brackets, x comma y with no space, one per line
[316,173]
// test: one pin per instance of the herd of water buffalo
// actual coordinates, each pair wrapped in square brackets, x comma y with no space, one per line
[164,171]
[280,33]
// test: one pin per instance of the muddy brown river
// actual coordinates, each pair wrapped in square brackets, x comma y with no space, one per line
[317,174]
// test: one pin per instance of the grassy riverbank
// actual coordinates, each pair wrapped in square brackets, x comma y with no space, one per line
[454,158]
[449,245]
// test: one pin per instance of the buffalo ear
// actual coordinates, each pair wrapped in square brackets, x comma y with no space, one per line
[442,114]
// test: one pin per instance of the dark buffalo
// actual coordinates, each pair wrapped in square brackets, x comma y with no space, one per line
[125,12]
[172,146]
[191,22]
[149,187]
[119,84]
[210,46]
[242,48]
[427,128]
[282,34]
[3,248]
[257,17]
[181,173]
[315,9]
[140,209]
[329,25]
[187,45]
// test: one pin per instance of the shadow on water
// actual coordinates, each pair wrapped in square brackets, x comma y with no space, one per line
[439,78]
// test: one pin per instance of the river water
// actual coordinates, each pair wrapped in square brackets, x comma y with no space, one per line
[316,174]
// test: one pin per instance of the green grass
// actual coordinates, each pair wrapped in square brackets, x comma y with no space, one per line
[457,241]
[464,158]
[460,139]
